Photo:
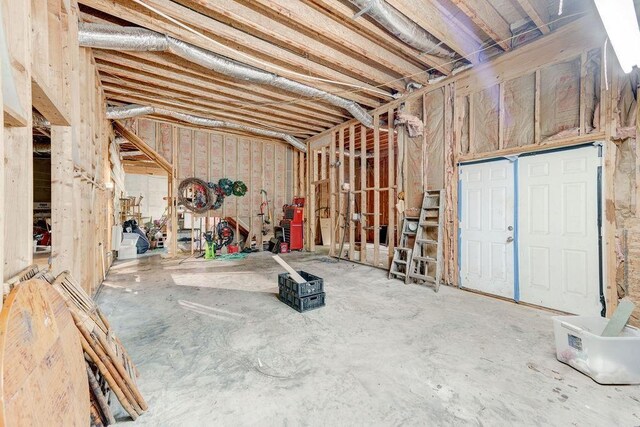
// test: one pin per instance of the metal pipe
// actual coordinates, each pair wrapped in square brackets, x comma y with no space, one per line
[133,110]
[402,27]
[101,36]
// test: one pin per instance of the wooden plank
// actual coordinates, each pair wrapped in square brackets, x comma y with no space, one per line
[430,17]
[47,102]
[538,12]
[363,195]
[152,67]
[536,124]
[253,46]
[292,273]
[391,194]
[376,191]
[583,89]
[1,191]
[501,116]
[332,194]
[351,195]
[13,118]
[142,146]
[483,14]
[341,195]
[307,32]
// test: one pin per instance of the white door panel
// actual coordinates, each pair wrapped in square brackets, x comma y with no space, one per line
[558,235]
[486,228]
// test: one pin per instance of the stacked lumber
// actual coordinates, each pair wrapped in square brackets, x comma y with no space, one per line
[104,351]
[108,366]
[31,272]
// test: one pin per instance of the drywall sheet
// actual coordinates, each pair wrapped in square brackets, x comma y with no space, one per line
[485,117]
[519,111]
[559,98]
[434,132]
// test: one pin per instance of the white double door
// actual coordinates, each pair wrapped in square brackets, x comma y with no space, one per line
[529,229]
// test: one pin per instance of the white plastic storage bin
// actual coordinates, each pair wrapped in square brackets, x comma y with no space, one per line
[608,360]
[128,249]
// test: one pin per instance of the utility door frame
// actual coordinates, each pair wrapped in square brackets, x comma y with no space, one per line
[601,232]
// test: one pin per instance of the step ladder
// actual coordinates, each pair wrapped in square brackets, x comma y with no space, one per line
[402,253]
[425,262]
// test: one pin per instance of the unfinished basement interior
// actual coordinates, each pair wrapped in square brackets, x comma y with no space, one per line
[320,212]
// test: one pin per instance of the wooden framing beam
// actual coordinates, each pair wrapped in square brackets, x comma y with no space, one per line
[483,14]
[211,108]
[537,11]
[47,102]
[315,38]
[142,146]
[436,22]
[237,40]
[158,64]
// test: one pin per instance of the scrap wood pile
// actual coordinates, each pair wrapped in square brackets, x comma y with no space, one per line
[109,367]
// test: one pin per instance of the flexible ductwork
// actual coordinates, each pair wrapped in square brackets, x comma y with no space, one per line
[128,111]
[111,37]
[41,147]
[402,27]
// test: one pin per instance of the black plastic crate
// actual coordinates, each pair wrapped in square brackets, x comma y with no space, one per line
[301,304]
[313,285]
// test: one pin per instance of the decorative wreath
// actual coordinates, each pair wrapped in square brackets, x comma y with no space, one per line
[198,196]
[195,195]
[239,188]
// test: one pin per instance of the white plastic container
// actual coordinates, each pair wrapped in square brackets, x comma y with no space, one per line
[608,360]
[128,249]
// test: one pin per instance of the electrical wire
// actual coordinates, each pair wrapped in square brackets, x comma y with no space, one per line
[375,89]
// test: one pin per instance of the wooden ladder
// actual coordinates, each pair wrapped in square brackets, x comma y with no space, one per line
[402,253]
[425,265]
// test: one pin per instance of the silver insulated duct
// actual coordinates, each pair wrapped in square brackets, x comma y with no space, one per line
[402,27]
[128,111]
[102,36]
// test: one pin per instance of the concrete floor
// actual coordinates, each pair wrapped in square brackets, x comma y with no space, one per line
[215,347]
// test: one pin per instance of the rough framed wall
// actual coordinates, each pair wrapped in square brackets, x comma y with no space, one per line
[261,164]
[43,44]
[627,189]
[552,92]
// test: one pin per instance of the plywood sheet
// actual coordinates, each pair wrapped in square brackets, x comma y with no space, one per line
[44,379]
